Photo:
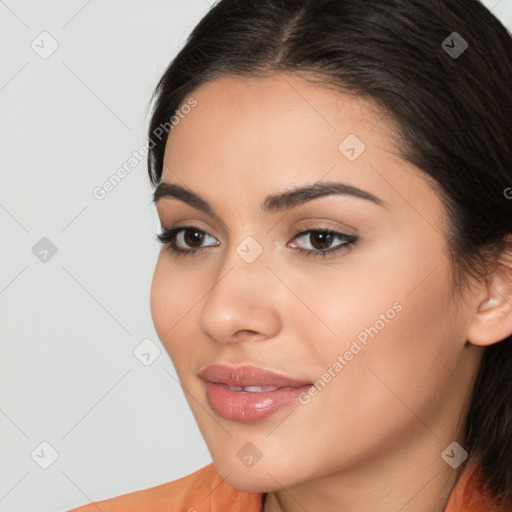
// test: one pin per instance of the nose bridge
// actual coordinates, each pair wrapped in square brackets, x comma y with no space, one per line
[245,261]
[240,298]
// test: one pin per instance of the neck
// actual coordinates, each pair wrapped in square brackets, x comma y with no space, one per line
[409,480]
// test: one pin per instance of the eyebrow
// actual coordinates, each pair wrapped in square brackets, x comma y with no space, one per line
[272,203]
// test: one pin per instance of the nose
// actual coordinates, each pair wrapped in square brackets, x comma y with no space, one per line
[242,303]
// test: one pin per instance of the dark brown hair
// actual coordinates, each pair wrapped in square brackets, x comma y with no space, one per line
[453,115]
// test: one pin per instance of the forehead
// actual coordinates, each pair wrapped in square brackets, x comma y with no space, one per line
[248,137]
[281,91]
[278,118]
[281,102]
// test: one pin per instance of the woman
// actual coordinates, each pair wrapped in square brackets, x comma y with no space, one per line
[335,285]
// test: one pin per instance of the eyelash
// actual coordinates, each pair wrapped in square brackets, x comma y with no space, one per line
[168,237]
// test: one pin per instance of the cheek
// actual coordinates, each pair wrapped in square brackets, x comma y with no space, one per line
[398,354]
[389,387]
[171,299]
[366,291]
[159,299]
[397,322]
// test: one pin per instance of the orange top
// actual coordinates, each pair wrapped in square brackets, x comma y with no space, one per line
[206,491]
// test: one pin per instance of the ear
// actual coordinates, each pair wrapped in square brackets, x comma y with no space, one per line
[492,321]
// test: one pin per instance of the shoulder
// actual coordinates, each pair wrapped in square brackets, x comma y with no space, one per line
[201,491]
[471,494]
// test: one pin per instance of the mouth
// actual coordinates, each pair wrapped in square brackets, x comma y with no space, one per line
[247,394]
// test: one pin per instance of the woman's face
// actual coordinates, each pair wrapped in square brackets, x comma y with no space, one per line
[373,322]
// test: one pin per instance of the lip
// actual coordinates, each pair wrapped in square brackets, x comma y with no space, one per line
[248,375]
[249,406]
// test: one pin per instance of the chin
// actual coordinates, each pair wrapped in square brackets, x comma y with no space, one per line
[261,477]
[251,481]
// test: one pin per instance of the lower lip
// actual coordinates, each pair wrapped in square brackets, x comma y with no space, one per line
[248,407]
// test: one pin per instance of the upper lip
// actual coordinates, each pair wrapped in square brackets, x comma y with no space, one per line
[248,375]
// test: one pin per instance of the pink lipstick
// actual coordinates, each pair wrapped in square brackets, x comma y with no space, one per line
[247,394]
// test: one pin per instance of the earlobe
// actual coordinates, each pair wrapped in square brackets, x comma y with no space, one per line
[492,321]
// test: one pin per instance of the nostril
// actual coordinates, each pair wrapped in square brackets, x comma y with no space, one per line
[247,333]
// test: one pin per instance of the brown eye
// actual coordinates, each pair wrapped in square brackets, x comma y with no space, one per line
[321,240]
[193,238]
[186,240]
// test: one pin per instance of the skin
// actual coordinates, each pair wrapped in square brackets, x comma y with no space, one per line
[374,434]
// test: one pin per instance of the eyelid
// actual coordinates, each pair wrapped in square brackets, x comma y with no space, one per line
[325,223]
[176,230]
[177,215]
[169,235]
[347,240]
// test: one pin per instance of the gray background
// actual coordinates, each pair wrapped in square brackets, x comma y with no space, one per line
[70,321]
